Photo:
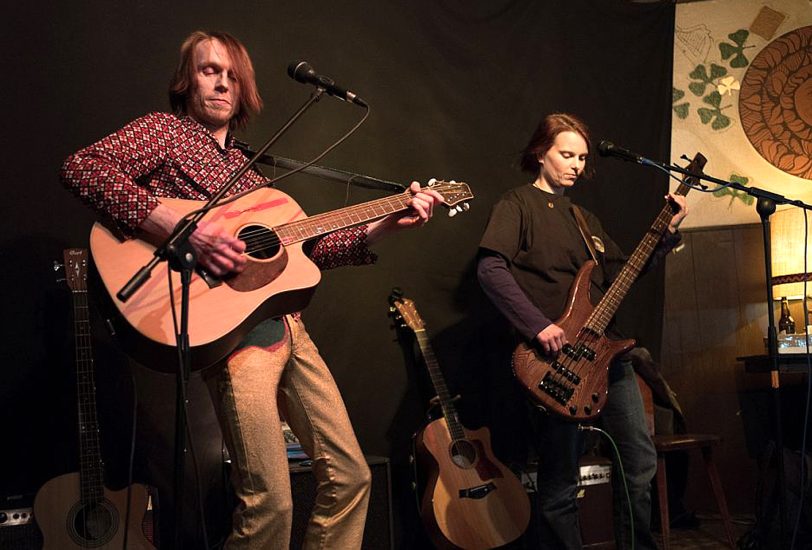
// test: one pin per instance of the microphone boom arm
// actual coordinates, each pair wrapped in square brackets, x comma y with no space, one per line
[324,172]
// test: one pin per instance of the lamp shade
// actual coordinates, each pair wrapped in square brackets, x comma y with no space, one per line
[787,236]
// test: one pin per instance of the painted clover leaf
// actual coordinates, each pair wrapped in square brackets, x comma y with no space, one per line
[681,110]
[728,85]
[735,51]
[735,193]
[700,74]
[713,116]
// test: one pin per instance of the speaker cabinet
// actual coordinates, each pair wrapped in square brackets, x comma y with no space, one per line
[378,534]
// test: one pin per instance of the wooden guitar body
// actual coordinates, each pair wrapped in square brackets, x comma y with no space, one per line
[471,500]
[574,383]
[280,280]
[66,523]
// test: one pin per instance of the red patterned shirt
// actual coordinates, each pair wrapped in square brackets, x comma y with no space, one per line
[162,155]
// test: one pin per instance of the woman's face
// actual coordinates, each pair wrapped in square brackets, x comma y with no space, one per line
[564,162]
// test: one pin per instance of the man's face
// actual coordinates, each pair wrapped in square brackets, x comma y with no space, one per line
[216,94]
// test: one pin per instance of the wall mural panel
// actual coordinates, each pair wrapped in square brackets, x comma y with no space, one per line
[742,94]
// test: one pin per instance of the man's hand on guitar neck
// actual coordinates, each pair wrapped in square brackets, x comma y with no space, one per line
[551,339]
[422,208]
[217,251]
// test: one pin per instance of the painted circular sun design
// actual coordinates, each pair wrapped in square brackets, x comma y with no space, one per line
[775,103]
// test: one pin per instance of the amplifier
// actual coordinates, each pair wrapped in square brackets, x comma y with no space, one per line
[18,531]
[594,504]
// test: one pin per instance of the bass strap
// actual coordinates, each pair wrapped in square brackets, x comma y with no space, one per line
[585,232]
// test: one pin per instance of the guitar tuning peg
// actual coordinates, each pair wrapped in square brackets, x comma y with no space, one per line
[452,212]
[432,181]
[466,207]
[58,265]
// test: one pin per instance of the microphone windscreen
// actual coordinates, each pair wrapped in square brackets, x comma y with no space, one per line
[605,148]
[298,70]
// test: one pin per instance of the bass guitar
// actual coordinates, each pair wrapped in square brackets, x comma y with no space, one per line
[278,279]
[471,500]
[573,384]
[75,510]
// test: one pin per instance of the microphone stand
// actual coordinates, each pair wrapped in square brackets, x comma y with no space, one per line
[765,206]
[181,257]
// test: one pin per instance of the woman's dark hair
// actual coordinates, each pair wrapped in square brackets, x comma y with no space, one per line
[544,137]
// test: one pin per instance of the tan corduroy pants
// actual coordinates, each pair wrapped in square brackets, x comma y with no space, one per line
[249,394]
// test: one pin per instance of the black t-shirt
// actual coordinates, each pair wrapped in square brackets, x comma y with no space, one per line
[536,232]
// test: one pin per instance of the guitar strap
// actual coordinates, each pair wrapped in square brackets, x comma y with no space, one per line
[585,232]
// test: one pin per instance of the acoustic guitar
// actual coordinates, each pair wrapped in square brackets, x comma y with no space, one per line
[278,279]
[75,510]
[471,500]
[573,384]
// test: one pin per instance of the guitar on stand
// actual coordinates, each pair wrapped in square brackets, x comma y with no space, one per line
[75,510]
[471,500]
[573,384]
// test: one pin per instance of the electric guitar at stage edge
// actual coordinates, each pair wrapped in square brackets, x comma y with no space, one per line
[573,384]
[471,500]
[278,279]
[75,510]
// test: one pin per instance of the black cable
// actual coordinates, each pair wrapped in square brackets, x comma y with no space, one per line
[582,427]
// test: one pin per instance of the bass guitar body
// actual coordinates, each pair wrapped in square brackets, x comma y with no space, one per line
[66,523]
[572,384]
[471,500]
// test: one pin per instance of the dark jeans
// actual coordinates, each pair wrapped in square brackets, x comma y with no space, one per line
[560,447]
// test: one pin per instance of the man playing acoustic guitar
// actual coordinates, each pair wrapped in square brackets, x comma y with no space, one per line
[189,154]
[529,257]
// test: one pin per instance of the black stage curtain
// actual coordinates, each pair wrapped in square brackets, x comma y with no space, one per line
[456,88]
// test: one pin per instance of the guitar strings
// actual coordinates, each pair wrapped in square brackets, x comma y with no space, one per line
[262,238]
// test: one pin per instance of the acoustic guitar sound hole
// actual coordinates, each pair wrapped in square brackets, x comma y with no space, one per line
[261,242]
[463,453]
[93,525]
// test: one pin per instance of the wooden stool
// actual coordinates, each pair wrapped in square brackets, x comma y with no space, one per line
[681,442]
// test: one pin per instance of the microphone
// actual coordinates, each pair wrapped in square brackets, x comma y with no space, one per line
[301,71]
[609,149]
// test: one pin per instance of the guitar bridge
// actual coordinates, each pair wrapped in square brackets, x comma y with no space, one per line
[478,492]
[211,280]
[560,391]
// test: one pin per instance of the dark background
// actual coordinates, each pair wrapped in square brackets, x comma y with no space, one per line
[456,88]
